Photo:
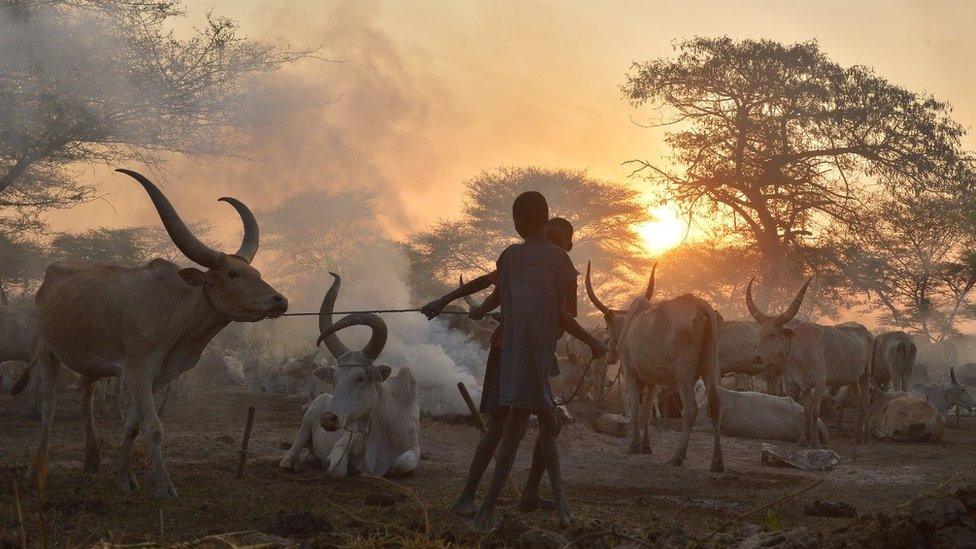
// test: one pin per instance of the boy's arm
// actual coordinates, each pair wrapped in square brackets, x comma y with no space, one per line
[489,304]
[569,324]
[435,307]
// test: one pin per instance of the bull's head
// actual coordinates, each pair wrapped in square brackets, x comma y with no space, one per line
[615,317]
[356,378]
[232,286]
[956,393]
[774,336]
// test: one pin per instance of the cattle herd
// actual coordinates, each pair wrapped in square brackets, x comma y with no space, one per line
[149,335]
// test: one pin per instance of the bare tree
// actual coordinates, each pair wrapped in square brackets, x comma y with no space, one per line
[779,141]
[106,81]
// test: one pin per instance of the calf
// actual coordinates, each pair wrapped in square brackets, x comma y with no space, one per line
[318,441]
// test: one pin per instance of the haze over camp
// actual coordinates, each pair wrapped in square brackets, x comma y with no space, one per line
[548,274]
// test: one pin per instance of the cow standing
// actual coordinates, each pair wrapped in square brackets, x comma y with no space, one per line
[894,358]
[814,358]
[674,341]
[148,324]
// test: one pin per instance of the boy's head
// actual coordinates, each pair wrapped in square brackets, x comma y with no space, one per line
[560,232]
[530,213]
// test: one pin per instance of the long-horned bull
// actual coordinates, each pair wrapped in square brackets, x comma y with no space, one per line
[670,341]
[382,409]
[814,358]
[148,324]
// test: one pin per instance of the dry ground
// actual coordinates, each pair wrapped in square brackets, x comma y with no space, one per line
[638,492]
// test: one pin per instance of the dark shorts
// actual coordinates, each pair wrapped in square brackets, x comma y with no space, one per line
[492,385]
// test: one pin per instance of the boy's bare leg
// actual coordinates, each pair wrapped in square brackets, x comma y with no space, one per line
[548,429]
[530,494]
[465,506]
[514,430]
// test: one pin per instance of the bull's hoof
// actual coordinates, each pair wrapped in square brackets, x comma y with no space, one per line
[717,467]
[646,449]
[464,508]
[565,515]
[676,461]
[289,463]
[633,449]
[164,490]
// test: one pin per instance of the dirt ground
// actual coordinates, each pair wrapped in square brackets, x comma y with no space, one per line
[606,486]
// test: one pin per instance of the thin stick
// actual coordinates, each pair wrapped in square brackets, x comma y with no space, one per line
[245,441]
[378,311]
[40,469]
[481,425]
[754,511]
[20,517]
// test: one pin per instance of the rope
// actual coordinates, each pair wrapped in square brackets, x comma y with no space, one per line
[582,380]
[377,311]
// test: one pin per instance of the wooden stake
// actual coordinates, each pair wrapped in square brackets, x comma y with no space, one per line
[245,441]
[481,426]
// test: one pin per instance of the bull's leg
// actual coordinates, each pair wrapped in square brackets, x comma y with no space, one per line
[125,479]
[715,415]
[635,419]
[647,408]
[152,429]
[818,394]
[689,413]
[92,458]
[303,440]
[47,368]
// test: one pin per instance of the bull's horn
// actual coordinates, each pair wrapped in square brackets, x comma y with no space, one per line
[377,340]
[753,309]
[189,245]
[649,292]
[607,312]
[252,237]
[794,307]
[336,347]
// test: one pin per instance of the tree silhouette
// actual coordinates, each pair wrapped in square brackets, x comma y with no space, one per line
[779,142]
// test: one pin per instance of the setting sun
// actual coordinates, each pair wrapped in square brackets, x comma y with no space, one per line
[663,233]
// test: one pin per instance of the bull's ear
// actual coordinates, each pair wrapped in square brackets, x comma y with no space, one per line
[788,332]
[326,373]
[381,372]
[193,277]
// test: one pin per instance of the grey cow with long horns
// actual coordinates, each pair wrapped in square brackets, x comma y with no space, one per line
[148,324]
[813,358]
[379,411]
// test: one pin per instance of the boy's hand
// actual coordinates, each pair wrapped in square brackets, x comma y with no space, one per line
[599,349]
[433,308]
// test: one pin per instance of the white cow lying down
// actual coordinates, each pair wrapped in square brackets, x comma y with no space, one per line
[901,417]
[749,414]
[371,423]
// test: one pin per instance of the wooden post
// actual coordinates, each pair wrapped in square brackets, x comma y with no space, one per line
[481,426]
[245,441]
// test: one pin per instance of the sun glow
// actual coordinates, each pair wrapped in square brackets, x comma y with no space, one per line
[664,232]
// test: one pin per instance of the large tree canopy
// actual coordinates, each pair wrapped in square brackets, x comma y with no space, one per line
[780,141]
[604,215]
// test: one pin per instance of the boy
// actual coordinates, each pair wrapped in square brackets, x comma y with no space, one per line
[533,279]
[559,232]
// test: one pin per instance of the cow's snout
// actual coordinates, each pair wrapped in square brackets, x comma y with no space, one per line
[756,359]
[330,422]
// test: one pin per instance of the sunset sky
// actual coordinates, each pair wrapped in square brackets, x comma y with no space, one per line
[429,93]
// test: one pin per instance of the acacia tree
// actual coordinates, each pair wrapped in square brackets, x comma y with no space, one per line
[914,256]
[603,214]
[780,141]
[106,81]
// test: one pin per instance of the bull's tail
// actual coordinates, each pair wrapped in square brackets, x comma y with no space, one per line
[822,432]
[906,352]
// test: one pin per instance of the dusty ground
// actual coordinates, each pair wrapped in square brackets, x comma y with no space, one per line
[637,492]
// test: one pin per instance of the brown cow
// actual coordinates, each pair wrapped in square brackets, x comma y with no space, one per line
[148,324]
